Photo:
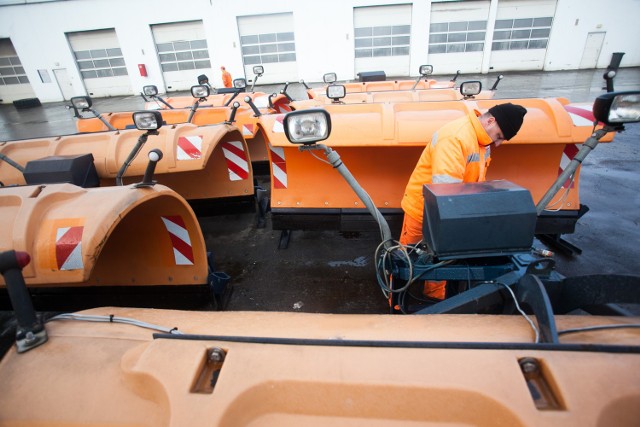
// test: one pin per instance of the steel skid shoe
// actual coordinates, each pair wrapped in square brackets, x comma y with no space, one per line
[220,285]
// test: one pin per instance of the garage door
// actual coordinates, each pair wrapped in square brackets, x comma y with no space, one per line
[269,41]
[457,35]
[100,62]
[183,53]
[382,37]
[14,83]
[521,34]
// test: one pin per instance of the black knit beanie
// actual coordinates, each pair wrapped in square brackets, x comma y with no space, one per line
[509,117]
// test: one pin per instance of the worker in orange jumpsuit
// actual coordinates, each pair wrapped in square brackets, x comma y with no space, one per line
[226,77]
[458,152]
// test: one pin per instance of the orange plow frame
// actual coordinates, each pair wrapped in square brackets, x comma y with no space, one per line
[381,143]
[388,85]
[245,120]
[200,162]
[76,235]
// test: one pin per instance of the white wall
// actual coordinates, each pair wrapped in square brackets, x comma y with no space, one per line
[576,18]
[324,34]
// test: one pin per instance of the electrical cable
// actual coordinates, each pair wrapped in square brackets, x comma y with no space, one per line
[527,318]
[562,198]
[319,158]
[114,319]
[597,328]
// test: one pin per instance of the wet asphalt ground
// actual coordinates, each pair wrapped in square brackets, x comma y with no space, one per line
[332,272]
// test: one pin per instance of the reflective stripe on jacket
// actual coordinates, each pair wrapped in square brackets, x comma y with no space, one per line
[458,152]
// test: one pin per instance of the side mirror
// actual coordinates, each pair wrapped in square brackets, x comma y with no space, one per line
[200,91]
[617,108]
[258,70]
[82,103]
[240,83]
[426,70]
[150,90]
[147,120]
[330,78]
[470,88]
[336,92]
[307,126]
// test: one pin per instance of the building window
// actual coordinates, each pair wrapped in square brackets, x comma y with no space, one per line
[183,55]
[519,34]
[393,40]
[455,37]
[97,63]
[268,48]
[11,71]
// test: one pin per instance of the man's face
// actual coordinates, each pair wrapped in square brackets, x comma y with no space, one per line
[493,130]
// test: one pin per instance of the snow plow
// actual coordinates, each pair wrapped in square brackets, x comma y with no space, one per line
[77,235]
[221,97]
[200,162]
[338,94]
[382,143]
[244,115]
[421,83]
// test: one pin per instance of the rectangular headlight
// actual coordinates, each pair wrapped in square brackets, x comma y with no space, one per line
[150,90]
[425,70]
[307,126]
[147,120]
[471,88]
[258,69]
[617,107]
[240,83]
[81,102]
[625,109]
[336,91]
[330,78]
[200,91]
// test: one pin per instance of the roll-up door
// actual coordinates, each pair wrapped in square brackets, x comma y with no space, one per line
[521,34]
[382,39]
[183,53]
[100,62]
[457,34]
[14,83]
[269,41]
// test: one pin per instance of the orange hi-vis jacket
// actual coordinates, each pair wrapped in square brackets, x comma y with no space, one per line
[226,78]
[458,152]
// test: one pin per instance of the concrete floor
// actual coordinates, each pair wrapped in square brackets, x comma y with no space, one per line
[325,271]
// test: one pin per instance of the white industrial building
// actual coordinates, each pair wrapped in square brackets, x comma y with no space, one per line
[54,50]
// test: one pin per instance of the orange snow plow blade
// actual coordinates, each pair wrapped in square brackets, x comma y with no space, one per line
[77,236]
[200,162]
[390,96]
[219,100]
[245,120]
[379,86]
[302,369]
[381,143]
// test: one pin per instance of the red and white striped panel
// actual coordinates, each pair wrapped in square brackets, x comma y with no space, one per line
[189,147]
[182,250]
[282,106]
[581,114]
[278,167]
[69,248]
[236,158]
[570,151]
[278,124]
[247,130]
